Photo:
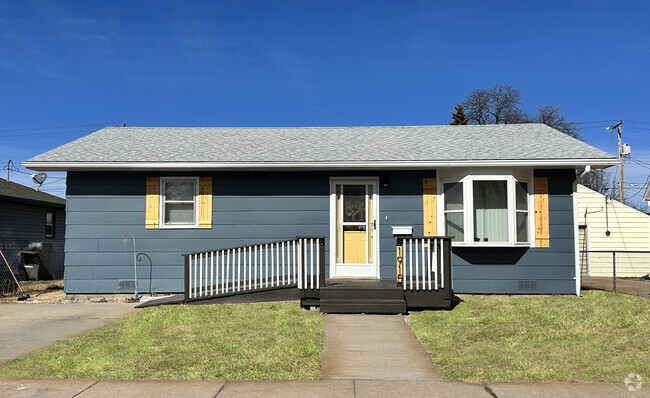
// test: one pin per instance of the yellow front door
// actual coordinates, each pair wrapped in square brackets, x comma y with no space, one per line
[355,222]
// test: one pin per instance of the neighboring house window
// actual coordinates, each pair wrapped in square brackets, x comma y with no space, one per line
[487,210]
[49,224]
[178,202]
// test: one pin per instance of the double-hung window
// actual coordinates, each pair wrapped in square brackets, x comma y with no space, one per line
[178,202]
[49,224]
[486,210]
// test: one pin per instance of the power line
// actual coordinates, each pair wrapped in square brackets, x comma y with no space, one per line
[639,121]
[597,121]
[642,188]
[54,127]
[50,133]
[641,164]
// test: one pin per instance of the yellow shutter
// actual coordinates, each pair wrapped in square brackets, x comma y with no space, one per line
[152,203]
[541,212]
[429,200]
[205,202]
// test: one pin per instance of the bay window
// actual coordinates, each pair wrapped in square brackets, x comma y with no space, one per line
[486,210]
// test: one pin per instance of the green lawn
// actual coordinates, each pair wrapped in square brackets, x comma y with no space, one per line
[229,341]
[600,337]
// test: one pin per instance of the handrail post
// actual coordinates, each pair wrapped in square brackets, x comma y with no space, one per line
[305,268]
[399,250]
[321,259]
[446,263]
[614,270]
[187,278]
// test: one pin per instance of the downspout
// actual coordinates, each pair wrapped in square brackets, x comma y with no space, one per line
[576,237]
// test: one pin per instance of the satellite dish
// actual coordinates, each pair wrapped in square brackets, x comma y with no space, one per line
[39,178]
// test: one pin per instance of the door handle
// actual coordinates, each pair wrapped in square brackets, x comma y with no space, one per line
[374,225]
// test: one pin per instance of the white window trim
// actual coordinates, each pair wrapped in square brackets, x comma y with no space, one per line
[162,195]
[467,177]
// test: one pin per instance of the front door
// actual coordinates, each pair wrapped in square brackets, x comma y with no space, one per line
[354,222]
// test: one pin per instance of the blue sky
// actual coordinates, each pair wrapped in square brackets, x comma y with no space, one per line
[81,65]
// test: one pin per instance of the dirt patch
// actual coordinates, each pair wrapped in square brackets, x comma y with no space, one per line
[51,292]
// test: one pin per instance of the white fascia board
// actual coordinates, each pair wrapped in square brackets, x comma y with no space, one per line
[64,166]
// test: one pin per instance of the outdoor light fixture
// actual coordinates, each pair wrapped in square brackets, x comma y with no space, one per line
[384,181]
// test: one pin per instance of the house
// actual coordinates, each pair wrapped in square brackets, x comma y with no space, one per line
[646,195]
[607,225]
[505,194]
[28,215]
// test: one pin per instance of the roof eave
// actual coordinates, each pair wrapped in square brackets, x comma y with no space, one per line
[134,166]
[33,202]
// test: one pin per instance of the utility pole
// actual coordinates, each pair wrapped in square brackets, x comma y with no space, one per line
[617,126]
[9,163]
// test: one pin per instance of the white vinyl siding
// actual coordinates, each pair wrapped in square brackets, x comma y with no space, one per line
[629,230]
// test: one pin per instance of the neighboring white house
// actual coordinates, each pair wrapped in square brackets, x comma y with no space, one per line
[608,225]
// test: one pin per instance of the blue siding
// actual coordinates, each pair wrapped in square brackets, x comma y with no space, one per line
[499,270]
[254,207]
[248,207]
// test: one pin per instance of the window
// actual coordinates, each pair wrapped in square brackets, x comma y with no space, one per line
[49,224]
[521,210]
[454,224]
[486,210]
[178,202]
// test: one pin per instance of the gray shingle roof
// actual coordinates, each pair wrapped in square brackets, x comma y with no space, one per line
[268,145]
[13,192]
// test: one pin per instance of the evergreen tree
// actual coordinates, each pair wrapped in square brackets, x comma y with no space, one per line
[459,116]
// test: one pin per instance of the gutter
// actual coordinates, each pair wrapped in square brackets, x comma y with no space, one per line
[576,237]
[316,165]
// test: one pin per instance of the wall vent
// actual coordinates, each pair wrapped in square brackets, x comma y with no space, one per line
[527,285]
[126,285]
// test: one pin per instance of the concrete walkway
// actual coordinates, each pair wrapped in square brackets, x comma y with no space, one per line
[82,388]
[25,328]
[375,347]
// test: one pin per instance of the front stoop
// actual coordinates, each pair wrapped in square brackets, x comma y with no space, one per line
[356,297]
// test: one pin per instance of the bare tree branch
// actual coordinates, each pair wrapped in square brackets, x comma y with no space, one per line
[502,104]
[550,115]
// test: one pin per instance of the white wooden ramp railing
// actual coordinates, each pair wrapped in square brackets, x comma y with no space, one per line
[271,265]
[424,263]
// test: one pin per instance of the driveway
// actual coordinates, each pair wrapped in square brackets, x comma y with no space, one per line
[25,328]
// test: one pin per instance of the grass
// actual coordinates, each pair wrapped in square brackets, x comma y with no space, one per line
[601,337]
[228,341]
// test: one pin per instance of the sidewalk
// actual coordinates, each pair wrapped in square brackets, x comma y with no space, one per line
[82,388]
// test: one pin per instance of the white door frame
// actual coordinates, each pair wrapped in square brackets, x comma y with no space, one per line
[374,181]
